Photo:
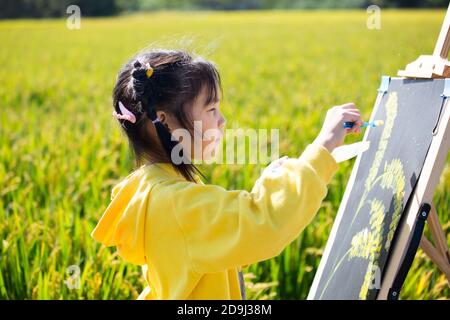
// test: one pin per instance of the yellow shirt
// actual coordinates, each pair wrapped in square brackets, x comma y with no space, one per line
[191,239]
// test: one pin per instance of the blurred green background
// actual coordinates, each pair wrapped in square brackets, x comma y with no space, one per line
[57,8]
[61,151]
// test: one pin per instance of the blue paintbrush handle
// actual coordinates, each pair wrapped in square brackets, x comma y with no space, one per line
[351,124]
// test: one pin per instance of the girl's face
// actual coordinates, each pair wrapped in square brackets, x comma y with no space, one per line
[208,126]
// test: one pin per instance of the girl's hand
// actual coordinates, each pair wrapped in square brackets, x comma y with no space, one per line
[333,133]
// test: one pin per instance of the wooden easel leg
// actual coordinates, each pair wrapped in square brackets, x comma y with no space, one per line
[440,255]
[438,234]
[435,256]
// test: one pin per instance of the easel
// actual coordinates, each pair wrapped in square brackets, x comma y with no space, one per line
[421,206]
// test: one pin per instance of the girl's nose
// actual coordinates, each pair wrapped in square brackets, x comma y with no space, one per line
[222,121]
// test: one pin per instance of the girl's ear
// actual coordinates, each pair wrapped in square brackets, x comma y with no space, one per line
[164,118]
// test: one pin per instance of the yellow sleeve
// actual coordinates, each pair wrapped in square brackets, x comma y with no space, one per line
[224,229]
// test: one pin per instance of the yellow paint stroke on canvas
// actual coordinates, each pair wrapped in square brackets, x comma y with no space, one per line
[391,114]
[371,249]
[367,243]
[393,178]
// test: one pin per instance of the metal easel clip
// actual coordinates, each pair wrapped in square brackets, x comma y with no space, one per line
[446,92]
[384,85]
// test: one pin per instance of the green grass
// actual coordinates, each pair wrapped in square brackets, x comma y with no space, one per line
[61,151]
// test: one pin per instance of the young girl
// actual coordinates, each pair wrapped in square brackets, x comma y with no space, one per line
[191,238]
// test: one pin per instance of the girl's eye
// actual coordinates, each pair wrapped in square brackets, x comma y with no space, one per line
[212,109]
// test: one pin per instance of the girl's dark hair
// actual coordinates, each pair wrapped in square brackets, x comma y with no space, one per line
[177,80]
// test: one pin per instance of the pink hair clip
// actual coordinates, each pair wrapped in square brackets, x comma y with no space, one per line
[126,114]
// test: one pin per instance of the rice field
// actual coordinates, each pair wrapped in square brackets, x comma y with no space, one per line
[61,151]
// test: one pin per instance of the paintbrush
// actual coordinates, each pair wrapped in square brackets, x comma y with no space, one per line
[375,123]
